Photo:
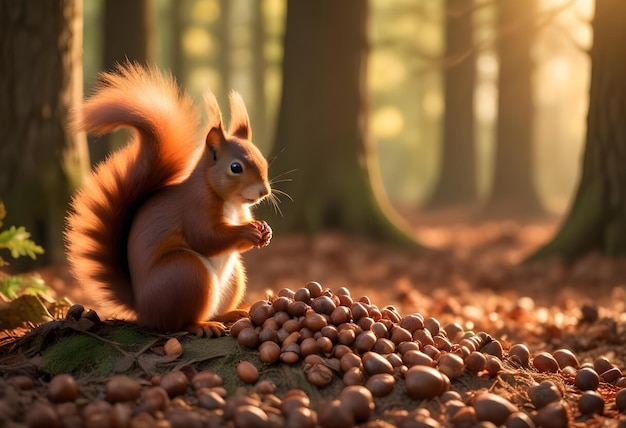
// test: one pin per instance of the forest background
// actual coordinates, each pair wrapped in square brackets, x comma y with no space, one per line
[379,114]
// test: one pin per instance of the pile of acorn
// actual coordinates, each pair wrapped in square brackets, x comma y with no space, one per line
[333,335]
[371,352]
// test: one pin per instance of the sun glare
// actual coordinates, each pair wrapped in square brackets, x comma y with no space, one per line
[387,122]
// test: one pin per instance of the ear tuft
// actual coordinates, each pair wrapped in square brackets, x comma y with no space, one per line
[239,120]
[213,111]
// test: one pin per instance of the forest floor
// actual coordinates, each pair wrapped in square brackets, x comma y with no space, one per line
[475,277]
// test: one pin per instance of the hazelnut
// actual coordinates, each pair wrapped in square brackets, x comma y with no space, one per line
[173,348]
[545,363]
[374,363]
[587,379]
[359,401]
[247,372]
[122,388]
[62,388]
[269,352]
[380,384]
[425,382]
[174,383]
[318,374]
[451,365]
[206,379]
[565,358]
[591,402]
[493,408]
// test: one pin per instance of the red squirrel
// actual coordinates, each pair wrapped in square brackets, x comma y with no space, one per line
[160,225]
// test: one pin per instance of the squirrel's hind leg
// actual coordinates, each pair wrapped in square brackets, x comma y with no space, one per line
[178,293]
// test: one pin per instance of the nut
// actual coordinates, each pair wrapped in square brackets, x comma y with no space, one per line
[269,352]
[247,372]
[359,401]
[380,384]
[493,408]
[425,382]
[174,383]
[122,388]
[374,363]
[318,374]
[62,388]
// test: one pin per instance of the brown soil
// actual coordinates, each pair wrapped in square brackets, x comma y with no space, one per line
[474,276]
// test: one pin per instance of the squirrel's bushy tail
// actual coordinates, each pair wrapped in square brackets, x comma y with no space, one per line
[161,152]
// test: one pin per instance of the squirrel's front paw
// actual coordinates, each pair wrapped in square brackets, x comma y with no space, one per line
[266,234]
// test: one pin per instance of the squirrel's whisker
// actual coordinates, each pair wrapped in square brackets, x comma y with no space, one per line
[283,193]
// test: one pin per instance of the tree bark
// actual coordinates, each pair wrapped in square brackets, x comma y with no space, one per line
[41,162]
[323,121]
[224,65]
[513,191]
[597,219]
[457,183]
[258,116]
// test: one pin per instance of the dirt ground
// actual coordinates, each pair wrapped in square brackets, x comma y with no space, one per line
[474,276]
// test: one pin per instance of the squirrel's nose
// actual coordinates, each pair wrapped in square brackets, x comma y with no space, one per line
[265,190]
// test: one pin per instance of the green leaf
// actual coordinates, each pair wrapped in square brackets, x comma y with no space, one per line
[17,241]
[10,286]
[13,286]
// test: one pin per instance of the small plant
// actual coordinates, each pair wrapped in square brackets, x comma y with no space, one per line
[16,240]
[23,300]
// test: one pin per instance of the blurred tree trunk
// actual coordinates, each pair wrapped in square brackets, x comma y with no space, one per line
[597,219]
[258,113]
[41,163]
[127,35]
[456,184]
[513,191]
[323,121]
[177,57]
[224,65]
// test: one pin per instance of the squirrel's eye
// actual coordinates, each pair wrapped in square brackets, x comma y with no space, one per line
[236,168]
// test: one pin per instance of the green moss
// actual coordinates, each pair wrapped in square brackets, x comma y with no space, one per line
[130,338]
[80,355]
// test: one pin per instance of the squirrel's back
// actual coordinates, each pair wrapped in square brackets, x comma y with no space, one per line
[161,152]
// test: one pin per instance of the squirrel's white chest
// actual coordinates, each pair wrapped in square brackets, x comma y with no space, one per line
[237,214]
[223,264]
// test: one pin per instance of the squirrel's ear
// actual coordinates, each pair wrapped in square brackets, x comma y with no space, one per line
[214,140]
[213,111]
[239,121]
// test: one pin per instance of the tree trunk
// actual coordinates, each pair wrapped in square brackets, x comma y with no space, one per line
[597,219]
[41,162]
[177,57]
[322,124]
[457,183]
[127,35]
[258,114]
[224,65]
[513,191]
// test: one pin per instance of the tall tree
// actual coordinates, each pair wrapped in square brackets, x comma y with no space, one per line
[513,190]
[457,181]
[259,112]
[323,121]
[127,34]
[224,64]
[597,219]
[41,162]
